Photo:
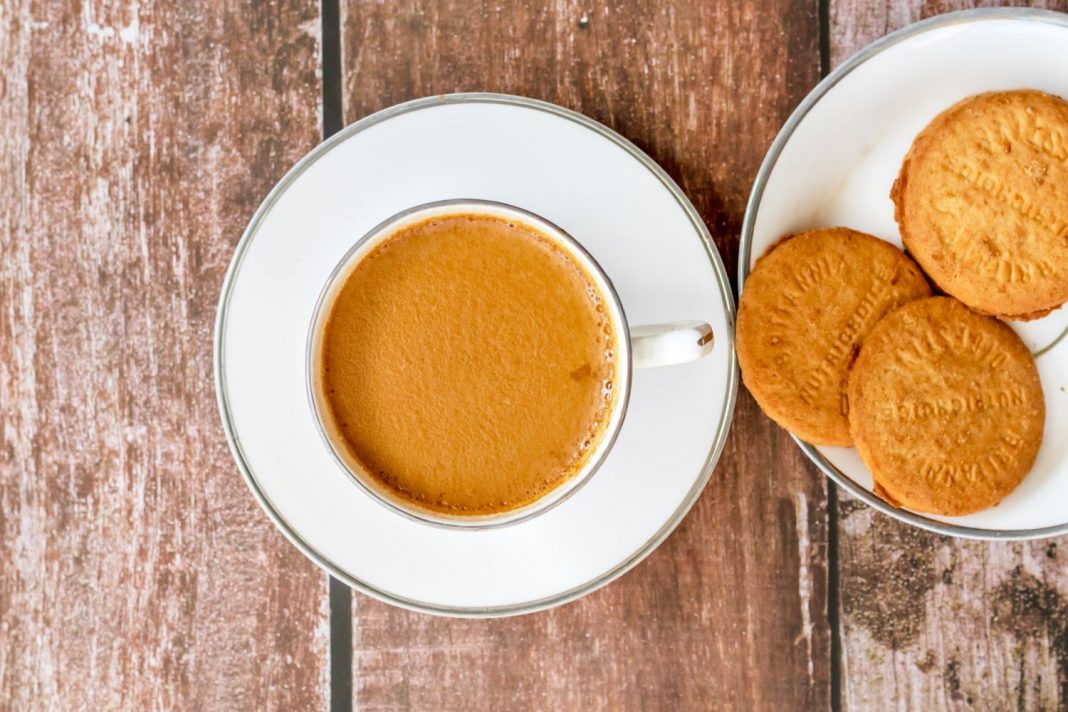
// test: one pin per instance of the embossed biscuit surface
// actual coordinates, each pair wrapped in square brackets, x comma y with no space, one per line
[946,408]
[982,202]
[806,306]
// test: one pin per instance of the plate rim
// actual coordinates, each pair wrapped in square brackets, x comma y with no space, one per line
[324,562]
[749,223]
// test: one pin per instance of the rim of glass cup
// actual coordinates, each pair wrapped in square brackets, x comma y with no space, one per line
[624,364]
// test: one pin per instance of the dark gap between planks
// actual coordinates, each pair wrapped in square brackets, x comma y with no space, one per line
[834,622]
[340,595]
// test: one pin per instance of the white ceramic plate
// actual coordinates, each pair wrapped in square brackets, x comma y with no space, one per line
[833,164]
[576,173]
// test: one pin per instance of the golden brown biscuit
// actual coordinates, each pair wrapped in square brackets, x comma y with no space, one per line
[945,408]
[806,306]
[982,202]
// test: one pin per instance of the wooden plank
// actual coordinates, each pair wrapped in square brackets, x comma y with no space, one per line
[136,570]
[929,622]
[936,624]
[855,23]
[731,612]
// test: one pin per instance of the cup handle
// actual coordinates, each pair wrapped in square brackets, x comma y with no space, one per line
[668,344]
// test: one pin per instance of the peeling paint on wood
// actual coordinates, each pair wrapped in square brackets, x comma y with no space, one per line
[136,571]
[731,612]
[930,622]
[938,624]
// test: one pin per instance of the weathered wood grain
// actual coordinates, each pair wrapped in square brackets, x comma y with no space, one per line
[136,571]
[855,23]
[935,624]
[731,612]
[930,622]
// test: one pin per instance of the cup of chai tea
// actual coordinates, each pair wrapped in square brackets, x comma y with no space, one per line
[469,363]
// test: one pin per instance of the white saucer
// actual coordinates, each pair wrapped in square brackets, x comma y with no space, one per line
[833,164]
[576,173]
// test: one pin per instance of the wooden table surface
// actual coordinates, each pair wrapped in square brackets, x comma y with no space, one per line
[136,570]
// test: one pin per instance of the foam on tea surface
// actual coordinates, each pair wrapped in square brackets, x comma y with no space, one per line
[468,363]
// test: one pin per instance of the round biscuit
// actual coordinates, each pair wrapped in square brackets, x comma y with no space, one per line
[946,409]
[805,307]
[982,202]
